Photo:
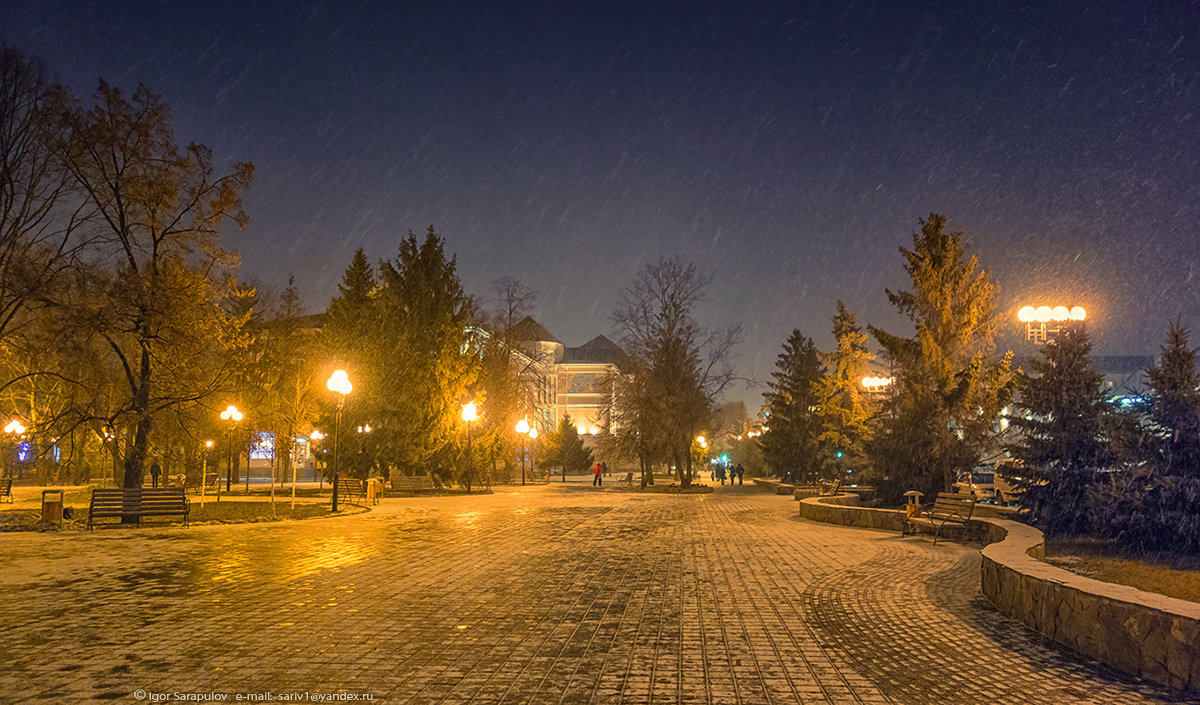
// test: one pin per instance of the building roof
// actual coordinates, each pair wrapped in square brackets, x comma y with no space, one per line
[597,351]
[529,329]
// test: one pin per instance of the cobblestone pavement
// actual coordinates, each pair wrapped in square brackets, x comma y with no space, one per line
[552,594]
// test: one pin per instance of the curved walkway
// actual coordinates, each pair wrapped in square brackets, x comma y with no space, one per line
[551,594]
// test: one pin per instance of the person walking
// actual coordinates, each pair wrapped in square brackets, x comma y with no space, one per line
[597,477]
[740,471]
[155,471]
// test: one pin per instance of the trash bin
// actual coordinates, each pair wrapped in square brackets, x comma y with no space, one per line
[373,490]
[52,509]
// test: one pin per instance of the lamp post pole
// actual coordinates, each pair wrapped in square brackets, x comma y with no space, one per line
[523,429]
[204,470]
[469,413]
[233,416]
[533,434]
[339,382]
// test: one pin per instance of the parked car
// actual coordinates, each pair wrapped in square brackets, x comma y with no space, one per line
[1007,477]
[979,482]
[992,482]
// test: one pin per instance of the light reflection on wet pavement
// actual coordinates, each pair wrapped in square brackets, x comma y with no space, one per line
[541,594]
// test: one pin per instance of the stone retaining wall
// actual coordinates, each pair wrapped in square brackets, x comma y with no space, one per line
[1148,635]
[842,509]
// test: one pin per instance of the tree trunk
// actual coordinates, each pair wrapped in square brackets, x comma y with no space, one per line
[135,458]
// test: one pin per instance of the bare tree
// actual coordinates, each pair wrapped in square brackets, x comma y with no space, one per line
[686,367]
[157,284]
[36,223]
[514,301]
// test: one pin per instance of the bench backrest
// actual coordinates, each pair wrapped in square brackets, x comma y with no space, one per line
[951,505]
[162,499]
[135,496]
[5,485]
[351,485]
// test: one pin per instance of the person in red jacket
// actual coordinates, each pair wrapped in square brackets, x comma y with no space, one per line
[597,477]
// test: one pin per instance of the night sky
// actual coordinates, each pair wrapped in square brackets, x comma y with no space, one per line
[788,150]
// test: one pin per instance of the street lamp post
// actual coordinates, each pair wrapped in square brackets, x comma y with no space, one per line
[204,470]
[16,429]
[469,413]
[523,429]
[533,434]
[233,416]
[339,382]
[317,436]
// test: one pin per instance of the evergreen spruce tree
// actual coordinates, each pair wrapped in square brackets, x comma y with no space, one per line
[949,388]
[563,448]
[425,356]
[843,411]
[1156,505]
[1063,416]
[790,442]
[349,320]
[1175,409]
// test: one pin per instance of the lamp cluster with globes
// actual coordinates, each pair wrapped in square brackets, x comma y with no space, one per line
[1044,322]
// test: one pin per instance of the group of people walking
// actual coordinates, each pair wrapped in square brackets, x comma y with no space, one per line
[720,472]
[735,472]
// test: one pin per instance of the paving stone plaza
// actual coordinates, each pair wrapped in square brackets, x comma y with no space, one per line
[542,594]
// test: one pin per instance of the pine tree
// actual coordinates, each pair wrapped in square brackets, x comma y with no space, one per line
[1175,409]
[1155,506]
[563,448]
[425,357]
[843,410]
[1063,416]
[789,443]
[948,389]
[349,319]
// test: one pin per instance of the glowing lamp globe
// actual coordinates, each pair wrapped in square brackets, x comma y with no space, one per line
[339,382]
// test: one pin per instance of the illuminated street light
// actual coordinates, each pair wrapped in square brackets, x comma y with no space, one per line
[15,427]
[875,384]
[339,383]
[1044,322]
[470,413]
[233,416]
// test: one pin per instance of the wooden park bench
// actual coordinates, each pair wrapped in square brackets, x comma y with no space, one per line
[6,489]
[949,508]
[830,488]
[629,478]
[138,502]
[412,483]
[351,487]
